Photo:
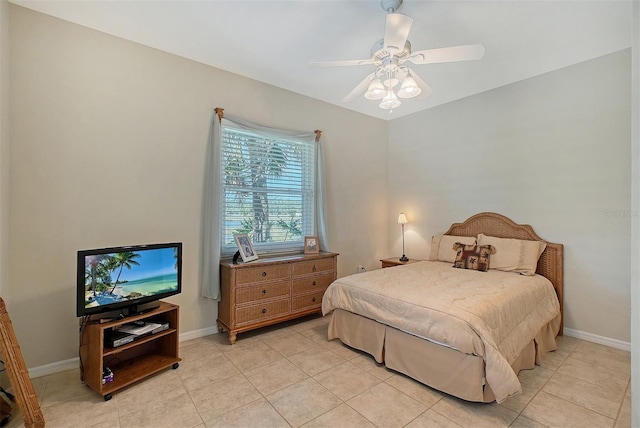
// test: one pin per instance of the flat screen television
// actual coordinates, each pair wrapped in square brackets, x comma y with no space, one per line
[127,278]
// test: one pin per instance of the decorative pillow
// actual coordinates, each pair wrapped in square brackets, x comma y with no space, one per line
[476,257]
[441,247]
[514,255]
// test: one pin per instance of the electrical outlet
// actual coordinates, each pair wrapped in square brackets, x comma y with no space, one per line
[361,269]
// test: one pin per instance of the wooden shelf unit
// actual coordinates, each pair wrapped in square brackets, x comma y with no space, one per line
[272,290]
[133,361]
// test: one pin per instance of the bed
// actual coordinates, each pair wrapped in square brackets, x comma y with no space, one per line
[461,331]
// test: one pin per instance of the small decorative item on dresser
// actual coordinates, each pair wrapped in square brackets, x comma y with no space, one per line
[311,245]
[245,246]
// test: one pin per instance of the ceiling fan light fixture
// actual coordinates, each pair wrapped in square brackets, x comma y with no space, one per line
[409,88]
[375,91]
[390,101]
[389,55]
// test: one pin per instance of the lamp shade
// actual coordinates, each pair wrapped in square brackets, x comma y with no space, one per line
[402,219]
[375,91]
[391,82]
[389,101]
[409,88]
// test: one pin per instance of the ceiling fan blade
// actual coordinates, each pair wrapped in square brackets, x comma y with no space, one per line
[452,54]
[426,89]
[396,31]
[360,89]
[344,63]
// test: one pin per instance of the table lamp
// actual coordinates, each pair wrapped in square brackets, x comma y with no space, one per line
[402,220]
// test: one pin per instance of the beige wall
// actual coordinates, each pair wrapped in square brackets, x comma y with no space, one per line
[4,148]
[108,149]
[551,151]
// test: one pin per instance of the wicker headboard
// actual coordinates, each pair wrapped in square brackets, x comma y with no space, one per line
[550,264]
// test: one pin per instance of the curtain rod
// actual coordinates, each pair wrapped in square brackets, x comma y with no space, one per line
[220,112]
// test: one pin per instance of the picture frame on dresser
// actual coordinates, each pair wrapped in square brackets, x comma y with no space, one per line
[245,246]
[311,245]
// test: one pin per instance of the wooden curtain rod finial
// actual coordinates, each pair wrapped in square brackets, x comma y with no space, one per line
[318,134]
[220,112]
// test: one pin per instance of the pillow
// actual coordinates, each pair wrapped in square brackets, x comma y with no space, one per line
[508,252]
[476,257]
[514,255]
[531,252]
[442,247]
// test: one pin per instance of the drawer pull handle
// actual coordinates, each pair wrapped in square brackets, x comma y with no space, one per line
[313,283]
[314,268]
[264,274]
[264,291]
[313,300]
[264,311]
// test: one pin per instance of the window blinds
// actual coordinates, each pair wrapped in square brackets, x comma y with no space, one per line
[267,189]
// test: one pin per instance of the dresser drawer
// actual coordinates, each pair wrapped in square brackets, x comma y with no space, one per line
[250,314]
[255,293]
[308,301]
[312,283]
[312,266]
[262,273]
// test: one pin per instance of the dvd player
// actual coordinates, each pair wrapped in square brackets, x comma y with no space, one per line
[115,338]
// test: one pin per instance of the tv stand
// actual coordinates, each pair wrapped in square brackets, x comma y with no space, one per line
[133,361]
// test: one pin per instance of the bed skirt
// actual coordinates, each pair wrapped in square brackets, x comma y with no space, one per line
[440,367]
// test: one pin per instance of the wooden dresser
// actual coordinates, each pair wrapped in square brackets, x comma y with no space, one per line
[272,290]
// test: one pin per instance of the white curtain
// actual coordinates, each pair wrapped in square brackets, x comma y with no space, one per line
[211,244]
[210,261]
[321,205]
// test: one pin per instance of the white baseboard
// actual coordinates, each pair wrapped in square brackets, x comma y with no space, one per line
[607,341]
[73,363]
[198,333]
[52,368]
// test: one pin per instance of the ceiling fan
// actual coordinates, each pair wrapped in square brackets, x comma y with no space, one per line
[390,54]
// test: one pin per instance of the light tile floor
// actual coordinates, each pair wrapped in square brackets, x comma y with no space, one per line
[291,376]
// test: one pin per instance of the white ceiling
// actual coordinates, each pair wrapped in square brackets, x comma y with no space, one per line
[273,41]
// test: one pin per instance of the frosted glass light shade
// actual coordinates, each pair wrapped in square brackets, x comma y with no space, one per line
[376,90]
[390,101]
[390,83]
[402,219]
[409,88]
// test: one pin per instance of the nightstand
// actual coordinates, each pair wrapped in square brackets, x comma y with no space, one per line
[395,261]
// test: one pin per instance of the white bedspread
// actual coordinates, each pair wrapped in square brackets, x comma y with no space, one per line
[490,314]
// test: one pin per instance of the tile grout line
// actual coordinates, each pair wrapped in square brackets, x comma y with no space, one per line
[624,396]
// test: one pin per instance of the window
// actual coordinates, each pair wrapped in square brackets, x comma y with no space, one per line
[268,189]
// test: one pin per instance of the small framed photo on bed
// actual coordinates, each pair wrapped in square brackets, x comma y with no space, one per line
[311,245]
[245,247]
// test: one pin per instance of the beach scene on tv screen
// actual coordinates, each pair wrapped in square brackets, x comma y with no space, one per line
[129,275]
